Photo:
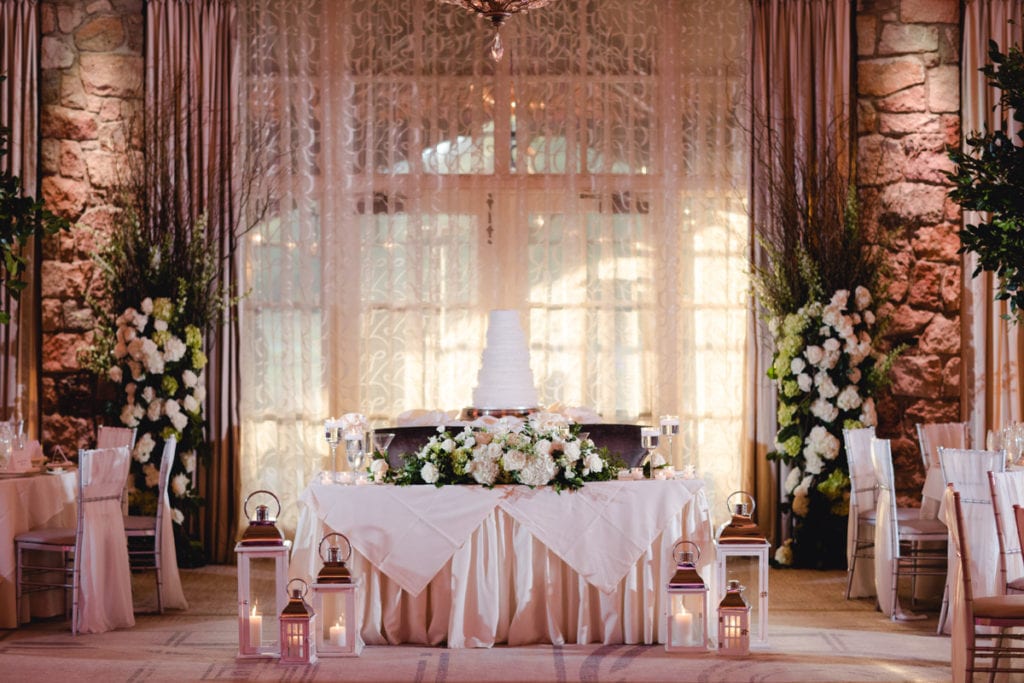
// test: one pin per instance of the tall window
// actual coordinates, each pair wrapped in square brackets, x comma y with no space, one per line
[594,180]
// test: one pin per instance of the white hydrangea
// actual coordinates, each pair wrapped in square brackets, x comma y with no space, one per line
[448,445]
[514,460]
[484,470]
[189,378]
[174,350]
[813,463]
[144,448]
[826,387]
[571,451]
[814,354]
[592,463]
[824,410]
[538,471]
[429,472]
[849,399]
[141,321]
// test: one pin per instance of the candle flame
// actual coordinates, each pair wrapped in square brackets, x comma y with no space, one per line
[255,604]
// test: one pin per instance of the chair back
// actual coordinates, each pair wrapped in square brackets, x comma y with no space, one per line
[967,470]
[166,464]
[863,485]
[958,539]
[1007,487]
[945,434]
[881,455]
[111,437]
[1018,515]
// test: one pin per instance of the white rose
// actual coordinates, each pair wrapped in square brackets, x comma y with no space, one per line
[120,350]
[832,316]
[138,411]
[140,322]
[831,345]
[135,348]
[804,381]
[797,365]
[840,298]
[200,393]
[848,398]
[128,418]
[379,468]
[143,448]
[189,378]
[854,375]
[115,374]
[592,463]
[514,460]
[188,461]
[160,325]
[447,445]
[148,394]
[814,354]
[174,350]
[147,305]
[801,505]
[542,447]
[869,317]
[429,473]
[572,451]
[129,390]
[868,416]
[179,485]
[136,368]
[171,407]
[153,410]
[130,335]
[792,480]
[824,410]
[126,317]
[191,404]
[862,298]
[177,516]
[149,348]
[784,555]
[179,420]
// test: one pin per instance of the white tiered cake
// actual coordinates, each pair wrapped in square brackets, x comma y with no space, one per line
[505,381]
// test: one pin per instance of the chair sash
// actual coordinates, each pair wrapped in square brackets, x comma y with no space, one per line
[887,545]
[862,498]
[172,595]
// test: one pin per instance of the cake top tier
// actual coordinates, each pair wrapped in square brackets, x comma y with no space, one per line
[505,379]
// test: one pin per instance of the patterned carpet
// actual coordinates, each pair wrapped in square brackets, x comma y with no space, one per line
[815,636]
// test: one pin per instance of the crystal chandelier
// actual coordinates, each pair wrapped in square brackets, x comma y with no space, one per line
[497,11]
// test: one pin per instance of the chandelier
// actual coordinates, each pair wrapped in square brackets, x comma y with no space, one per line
[497,11]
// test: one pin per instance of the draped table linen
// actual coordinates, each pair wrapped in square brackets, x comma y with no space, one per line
[31,502]
[472,567]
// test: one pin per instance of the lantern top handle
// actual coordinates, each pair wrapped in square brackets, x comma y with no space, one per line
[245,505]
[745,506]
[294,593]
[685,551]
[348,547]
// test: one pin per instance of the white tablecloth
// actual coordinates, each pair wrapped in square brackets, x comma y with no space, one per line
[43,500]
[472,567]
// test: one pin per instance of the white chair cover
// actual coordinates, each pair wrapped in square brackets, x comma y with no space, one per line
[1007,489]
[862,497]
[172,595]
[112,437]
[105,584]
[932,437]
[886,540]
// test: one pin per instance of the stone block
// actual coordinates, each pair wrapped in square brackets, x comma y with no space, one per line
[72,95]
[898,280]
[913,99]
[112,75]
[900,124]
[56,52]
[918,376]
[110,109]
[951,378]
[927,167]
[104,169]
[69,432]
[867,119]
[60,351]
[944,89]
[941,337]
[49,87]
[952,287]
[67,124]
[69,17]
[98,6]
[925,286]
[889,413]
[72,165]
[937,243]
[64,196]
[102,33]
[49,156]
[912,204]
[906,321]
[879,160]
[97,219]
[880,77]
[867,30]
[53,320]
[48,395]
[930,11]
[951,128]
[47,18]
[920,412]
[908,38]
[77,316]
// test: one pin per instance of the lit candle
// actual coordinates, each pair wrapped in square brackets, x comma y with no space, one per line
[255,628]
[683,622]
[338,635]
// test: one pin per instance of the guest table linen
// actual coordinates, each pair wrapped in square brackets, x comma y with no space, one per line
[472,566]
[31,502]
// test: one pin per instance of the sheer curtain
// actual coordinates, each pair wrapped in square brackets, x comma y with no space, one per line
[595,180]
[19,112]
[993,348]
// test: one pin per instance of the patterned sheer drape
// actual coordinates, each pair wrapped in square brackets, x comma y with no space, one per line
[594,179]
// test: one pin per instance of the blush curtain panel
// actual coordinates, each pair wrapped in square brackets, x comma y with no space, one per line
[19,112]
[192,84]
[993,348]
[801,108]
[594,179]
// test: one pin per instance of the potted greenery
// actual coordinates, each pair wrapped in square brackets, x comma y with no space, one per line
[989,178]
[21,217]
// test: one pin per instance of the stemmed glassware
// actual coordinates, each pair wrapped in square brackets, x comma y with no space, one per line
[649,438]
[332,432]
[669,429]
[381,442]
[355,451]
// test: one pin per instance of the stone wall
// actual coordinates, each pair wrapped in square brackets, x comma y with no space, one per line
[908,104]
[92,77]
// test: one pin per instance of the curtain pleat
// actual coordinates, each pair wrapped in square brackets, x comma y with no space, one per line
[991,396]
[190,71]
[801,107]
[19,112]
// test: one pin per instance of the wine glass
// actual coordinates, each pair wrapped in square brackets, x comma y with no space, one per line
[355,451]
[669,429]
[649,437]
[332,432]
[381,442]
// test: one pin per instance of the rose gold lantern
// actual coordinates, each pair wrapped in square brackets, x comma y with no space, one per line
[742,552]
[686,621]
[298,626]
[733,621]
[260,547]
[334,600]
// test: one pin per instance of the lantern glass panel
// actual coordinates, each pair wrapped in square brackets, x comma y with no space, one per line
[745,568]
[686,620]
[337,622]
[260,624]
[296,645]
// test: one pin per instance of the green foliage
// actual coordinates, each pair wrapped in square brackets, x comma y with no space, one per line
[21,217]
[989,178]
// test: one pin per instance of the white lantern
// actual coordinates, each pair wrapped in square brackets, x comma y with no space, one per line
[742,552]
[686,621]
[298,624]
[733,621]
[258,607]
[334,600]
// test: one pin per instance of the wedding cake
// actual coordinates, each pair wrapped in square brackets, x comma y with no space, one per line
[505,381]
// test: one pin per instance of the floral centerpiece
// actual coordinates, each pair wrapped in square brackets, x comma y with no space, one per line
[816,276]
[533,453]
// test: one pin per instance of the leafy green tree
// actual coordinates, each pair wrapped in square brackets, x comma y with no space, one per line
[21,217]
[989,178]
